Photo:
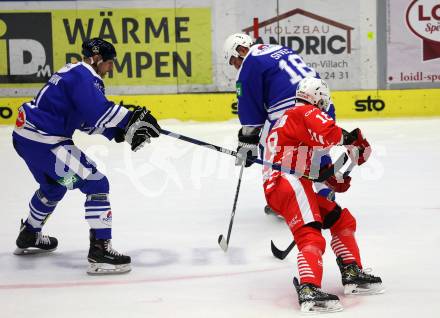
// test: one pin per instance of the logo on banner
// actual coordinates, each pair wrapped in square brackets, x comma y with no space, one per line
[369,104]
[309,34]
[5,112]
[25,47]
[154,46]
[423,19]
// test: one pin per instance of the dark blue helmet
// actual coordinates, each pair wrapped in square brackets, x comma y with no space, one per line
[99,46]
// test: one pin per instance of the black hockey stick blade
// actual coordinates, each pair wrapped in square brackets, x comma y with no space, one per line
[222,242]
[279,253]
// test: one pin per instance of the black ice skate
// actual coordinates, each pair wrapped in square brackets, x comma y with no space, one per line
[313,300]
[357,281]
[103,259]
[29,242]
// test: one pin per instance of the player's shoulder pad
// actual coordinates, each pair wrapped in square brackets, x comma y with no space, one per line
[264,49]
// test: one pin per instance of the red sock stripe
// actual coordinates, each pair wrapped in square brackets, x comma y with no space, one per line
[304,267]
[342,250]
[310,268]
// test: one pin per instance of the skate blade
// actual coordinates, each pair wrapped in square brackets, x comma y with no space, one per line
[31,251]
[319,307]
[365,289]
[107,269]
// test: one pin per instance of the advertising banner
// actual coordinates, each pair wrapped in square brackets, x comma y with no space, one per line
[327,35]
[325,44]
[413,42]
[25,47]
[223,106]
[154,46]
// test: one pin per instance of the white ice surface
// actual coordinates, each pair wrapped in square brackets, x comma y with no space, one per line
[171,200]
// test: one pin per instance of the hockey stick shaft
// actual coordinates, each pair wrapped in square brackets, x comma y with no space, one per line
[198,142]
[324,174]
[221,241]
[282,254]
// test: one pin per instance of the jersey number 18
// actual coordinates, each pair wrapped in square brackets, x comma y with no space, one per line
[299,69]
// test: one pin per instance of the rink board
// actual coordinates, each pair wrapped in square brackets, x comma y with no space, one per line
[222,106]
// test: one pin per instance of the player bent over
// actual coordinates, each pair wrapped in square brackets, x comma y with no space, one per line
[74,98]
[292,141]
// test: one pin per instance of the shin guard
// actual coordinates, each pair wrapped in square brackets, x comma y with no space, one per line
[99,215]
[40,208]
[311,246]
[343,242]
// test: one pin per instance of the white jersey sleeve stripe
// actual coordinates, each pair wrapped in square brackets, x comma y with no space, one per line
[116,118]
[103,116]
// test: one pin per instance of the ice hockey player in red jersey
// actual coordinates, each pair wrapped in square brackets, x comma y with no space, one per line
[292,142]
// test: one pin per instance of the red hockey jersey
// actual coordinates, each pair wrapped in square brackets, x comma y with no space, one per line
[296,136]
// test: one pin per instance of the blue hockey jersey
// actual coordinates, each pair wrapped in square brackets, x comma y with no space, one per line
[73,98]
[266,83]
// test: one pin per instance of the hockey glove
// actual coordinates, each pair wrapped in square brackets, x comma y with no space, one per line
[247,147]
[338,185]
[119,135]
[140,128]
[358,147]
[130,107]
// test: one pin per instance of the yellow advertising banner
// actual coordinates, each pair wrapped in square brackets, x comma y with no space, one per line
[387,103]
[219,107]
[154,46]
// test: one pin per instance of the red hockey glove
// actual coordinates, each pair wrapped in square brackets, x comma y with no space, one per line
[358,147]
[340,185]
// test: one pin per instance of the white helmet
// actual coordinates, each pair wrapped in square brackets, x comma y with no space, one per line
[232,43]
[315,91]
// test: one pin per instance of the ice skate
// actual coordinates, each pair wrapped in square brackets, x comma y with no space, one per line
[357,281]
[104,260]
[313,300]
[29,242]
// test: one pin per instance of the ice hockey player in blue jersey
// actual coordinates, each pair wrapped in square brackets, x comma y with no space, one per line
[267,77]
[74,99]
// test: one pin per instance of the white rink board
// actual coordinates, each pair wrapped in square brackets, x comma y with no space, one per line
[171,231]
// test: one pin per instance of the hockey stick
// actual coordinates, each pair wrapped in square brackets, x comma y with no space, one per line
[279,253]
[323,175]
[221,239]
[282,254]
[198,142]
[340,175]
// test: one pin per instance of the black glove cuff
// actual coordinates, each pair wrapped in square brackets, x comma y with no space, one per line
[119,135]
[349,137]
[253,138]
